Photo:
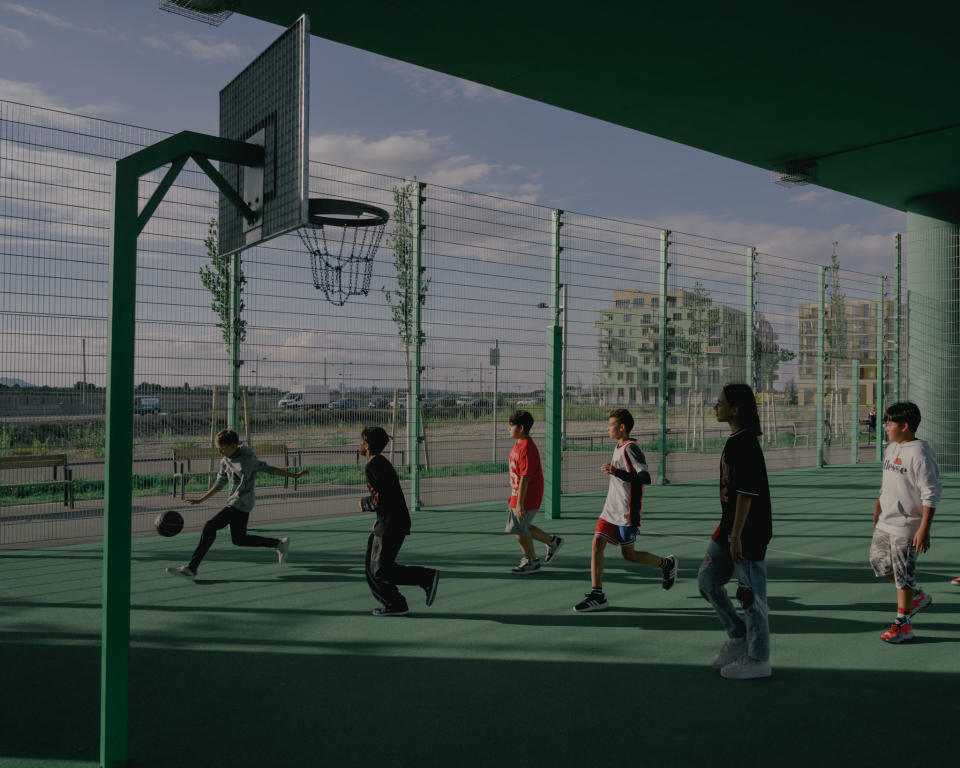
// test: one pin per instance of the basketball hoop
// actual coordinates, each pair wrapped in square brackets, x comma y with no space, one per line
[342,237]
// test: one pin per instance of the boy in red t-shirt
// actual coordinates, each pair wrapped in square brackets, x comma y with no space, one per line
[526,493]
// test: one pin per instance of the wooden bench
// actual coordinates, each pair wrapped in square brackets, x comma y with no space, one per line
[55,461]
[183,458]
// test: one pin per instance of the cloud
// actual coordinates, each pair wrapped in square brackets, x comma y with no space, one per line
[34,95]
[14,38]
[198,48]
[430,158]
[33,13]
[444,87]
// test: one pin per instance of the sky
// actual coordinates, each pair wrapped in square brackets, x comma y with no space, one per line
[128,61]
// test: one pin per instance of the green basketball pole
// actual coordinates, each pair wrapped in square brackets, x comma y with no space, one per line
[126,226]
[751,317]
[854,409]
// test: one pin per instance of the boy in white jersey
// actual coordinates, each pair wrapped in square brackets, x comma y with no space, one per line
[903,514]
[620,518]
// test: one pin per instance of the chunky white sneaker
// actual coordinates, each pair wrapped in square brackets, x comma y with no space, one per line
[283,549]
[527,566]
[181,570]
[732,650]
[746,668]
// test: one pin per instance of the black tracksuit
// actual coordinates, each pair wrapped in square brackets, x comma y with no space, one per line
[392,527]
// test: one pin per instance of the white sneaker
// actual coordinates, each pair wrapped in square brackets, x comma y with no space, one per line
[527,566]
[746,668]
[732,650]
[181,570]
[283,549]
[552,548]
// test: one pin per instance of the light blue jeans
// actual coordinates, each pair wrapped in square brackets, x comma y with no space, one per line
[717,569]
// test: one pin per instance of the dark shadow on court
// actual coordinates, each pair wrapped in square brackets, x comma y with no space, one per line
[193,708]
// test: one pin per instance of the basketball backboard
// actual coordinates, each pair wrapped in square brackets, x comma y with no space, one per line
[267,104]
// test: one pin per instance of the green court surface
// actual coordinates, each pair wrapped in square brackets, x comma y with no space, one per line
[257,665]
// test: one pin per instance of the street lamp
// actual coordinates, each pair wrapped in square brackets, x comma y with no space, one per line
[343,365]
[256,386]
[562,310]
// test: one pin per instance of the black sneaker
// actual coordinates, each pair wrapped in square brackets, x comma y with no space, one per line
[669,571]
[555,543]
[382,611]
[432,589]
[595,601]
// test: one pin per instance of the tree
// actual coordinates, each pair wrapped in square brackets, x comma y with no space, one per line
[704,325]
[215,277]
[835,339]
[402,301]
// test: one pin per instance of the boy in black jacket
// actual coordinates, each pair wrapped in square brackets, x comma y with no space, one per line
[392,527]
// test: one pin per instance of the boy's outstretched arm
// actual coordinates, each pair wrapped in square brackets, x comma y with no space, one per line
[205,496]
[288,473]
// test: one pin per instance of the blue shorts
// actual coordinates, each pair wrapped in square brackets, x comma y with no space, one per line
[616,534]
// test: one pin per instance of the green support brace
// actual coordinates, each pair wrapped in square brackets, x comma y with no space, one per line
[897,329]
[880,403]
[126,224]
[751,318]
[414,427]
[553,449]
[855,410]
[662,347]
[821,294]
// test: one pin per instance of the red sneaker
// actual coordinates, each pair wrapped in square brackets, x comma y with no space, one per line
[900,631]
[956,581]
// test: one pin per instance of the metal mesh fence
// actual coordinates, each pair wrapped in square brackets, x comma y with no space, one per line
[314,373]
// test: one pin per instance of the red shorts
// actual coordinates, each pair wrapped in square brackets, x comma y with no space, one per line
[616,534]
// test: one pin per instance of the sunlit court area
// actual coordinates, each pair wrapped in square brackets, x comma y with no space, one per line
[277,266]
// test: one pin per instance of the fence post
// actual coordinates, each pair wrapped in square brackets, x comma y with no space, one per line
[553,454]
[821,293]
[880,406]
[855,409]
[662,383]
[751,318]
[234,286]
[414,428]
[898,393]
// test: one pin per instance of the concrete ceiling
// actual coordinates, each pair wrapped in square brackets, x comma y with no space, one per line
[864,94]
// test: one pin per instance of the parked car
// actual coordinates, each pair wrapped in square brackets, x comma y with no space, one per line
[143,404]
[347,402]
[530,401]
[379,402]
[478,404]
[433,403]
[401,404]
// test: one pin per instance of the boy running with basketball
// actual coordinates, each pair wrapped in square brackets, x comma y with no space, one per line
[386,498]
[526,493]
[239,467]
[903,514]
[620,518]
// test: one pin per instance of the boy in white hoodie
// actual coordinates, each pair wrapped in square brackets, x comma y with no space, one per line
[903,514]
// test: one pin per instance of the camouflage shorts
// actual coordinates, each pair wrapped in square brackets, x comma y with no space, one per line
[889,554]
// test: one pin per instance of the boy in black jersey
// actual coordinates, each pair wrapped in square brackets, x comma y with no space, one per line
[391,528]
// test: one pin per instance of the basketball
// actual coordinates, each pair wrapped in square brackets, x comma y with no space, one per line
[169,523]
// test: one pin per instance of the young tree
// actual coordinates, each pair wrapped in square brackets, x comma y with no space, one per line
[704,325]
[835,339]
[402,301]
[215,277]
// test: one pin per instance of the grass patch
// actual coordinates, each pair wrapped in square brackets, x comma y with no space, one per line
[161,484]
